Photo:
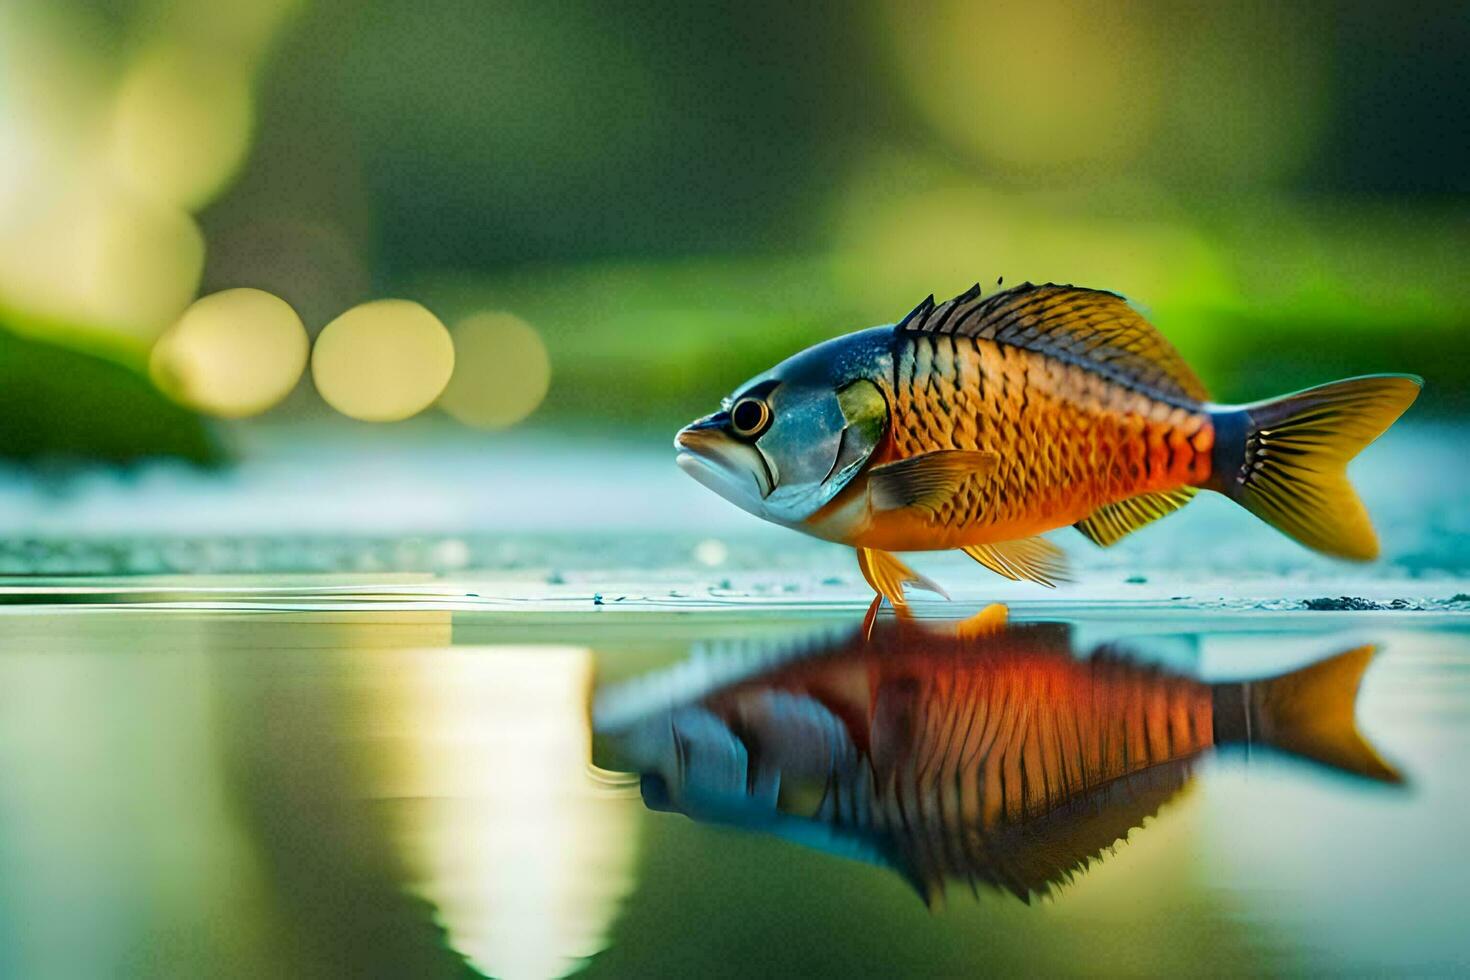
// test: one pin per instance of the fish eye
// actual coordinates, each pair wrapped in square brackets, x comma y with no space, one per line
[749,417]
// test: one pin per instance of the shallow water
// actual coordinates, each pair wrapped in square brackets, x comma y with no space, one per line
[425,791]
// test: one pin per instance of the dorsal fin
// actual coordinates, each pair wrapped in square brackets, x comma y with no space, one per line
[1110,523]
[1035,855]
[1043,854]
[1091,328]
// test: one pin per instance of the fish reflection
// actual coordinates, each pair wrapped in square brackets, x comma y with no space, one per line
[1000,759]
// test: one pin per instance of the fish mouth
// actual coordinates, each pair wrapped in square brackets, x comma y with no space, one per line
[734,470]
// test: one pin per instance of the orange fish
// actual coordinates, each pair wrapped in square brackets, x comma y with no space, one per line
[982,422]
[999,759]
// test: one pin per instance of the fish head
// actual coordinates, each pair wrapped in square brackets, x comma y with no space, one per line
[787,441]
[757,753]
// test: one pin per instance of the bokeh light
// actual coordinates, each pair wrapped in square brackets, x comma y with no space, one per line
[181,124]
[501,371]
[1051,88]
[1035,85]
[383,361]
[93,252]
[232,354]
[711,552]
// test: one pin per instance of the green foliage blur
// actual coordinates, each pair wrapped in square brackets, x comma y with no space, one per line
[676,196]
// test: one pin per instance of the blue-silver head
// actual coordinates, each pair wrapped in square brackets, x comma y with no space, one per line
[787,441]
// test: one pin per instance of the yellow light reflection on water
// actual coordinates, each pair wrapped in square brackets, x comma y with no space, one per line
[232,354]
[501,371]
[383,361]
[181,124]
[485,768]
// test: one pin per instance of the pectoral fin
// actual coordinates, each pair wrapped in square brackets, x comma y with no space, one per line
[887,575]
[927,481]
[1034,559]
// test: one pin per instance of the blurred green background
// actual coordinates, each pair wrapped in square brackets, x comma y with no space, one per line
[636,206]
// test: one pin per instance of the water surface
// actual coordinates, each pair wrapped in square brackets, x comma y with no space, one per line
[424,791]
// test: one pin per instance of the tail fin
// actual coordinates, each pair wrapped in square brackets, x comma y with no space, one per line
[1309,712]
[1285,459]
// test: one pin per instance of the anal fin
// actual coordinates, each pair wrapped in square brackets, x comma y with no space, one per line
[888,575]
[1034,559]
[1110,523]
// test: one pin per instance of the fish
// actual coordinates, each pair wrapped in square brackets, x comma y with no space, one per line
[1000,758]
[983,422]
